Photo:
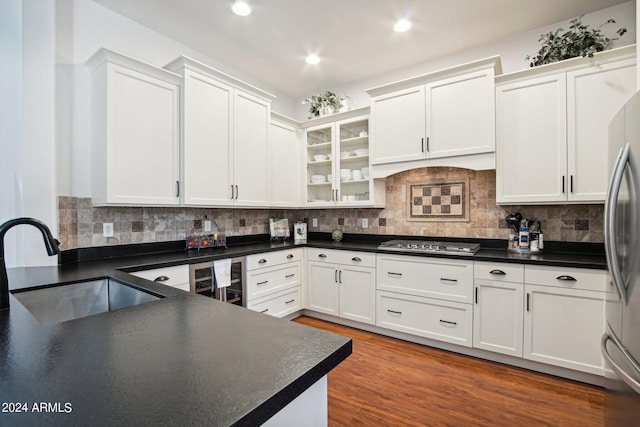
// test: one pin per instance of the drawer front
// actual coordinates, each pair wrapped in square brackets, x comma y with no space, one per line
[264,281]
[570,278]
[177,275]
[498,271]
[268,259]
[363,259]
[450,280]
[439,320]
[278,304]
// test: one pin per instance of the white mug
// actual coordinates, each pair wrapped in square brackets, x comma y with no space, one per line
[356,174]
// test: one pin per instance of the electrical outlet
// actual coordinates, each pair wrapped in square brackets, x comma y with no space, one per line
[314,222]
[365,223]
[207,225]
[107,229]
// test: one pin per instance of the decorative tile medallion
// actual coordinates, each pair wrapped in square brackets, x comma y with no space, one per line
[438,201]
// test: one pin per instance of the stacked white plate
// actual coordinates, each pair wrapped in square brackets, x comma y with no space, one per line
[318,178]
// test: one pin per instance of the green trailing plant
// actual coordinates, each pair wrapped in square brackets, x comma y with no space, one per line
[579,40]
[327,102]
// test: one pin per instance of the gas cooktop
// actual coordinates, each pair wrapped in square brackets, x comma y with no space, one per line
[427,246]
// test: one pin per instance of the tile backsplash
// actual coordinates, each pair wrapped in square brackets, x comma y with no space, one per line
[80,224]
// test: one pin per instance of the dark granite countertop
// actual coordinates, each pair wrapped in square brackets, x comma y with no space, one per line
[183,358]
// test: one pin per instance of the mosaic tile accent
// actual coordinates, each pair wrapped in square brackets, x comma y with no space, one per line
[438,201]
[80,224]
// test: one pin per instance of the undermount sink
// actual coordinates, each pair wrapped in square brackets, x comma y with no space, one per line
[73,301]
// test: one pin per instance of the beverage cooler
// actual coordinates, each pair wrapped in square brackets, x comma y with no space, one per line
[202,281]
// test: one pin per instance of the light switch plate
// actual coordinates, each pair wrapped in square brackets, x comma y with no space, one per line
[107,229]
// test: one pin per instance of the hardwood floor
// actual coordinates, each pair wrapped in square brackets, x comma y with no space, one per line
[389,382]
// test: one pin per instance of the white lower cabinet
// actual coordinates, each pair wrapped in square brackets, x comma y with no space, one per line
[274,283]
[341,283]
[563,327]
[498,309]
[427,297]
[426,317]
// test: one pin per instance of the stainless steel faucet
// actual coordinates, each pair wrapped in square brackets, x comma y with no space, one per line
[50,243]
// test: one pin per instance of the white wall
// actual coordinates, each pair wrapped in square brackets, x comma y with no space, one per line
[27,167]
[512,53]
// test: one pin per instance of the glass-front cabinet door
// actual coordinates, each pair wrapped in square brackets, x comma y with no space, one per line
[337,159]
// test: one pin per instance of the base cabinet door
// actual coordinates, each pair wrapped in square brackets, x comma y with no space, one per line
[357,293]
[563,327]
[322,291]
[498,317]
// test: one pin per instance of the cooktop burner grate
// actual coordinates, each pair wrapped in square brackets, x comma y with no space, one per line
[428,246]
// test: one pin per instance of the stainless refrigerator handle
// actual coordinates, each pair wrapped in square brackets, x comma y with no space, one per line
[631,382]
[610,222]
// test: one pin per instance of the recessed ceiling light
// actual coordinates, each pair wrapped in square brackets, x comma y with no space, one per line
[312,59]
[402,26]
[241,8]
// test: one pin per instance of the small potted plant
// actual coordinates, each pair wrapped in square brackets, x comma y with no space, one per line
[580,40]
[324,103]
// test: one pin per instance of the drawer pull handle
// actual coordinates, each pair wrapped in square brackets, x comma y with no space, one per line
[391,273]
[289,256]
[262,283]
[356,259]
[498,272]
[288,276]
[322,256]
[262,261]
[161,279]
[444,279]
[448,322]
[568,278]
[265,310]
[290,301]
[394,312]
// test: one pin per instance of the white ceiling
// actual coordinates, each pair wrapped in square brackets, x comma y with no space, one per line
[354,38]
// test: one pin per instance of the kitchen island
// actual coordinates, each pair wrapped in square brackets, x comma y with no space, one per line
[180,360]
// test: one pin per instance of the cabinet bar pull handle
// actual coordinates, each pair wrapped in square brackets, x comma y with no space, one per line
[567,278]
[290,301]
[448,322]
[177,188]
[562,183]
[444,279]
[262,283]
[289,256]
[476,295]
[335,276]
[427,144]
[340,276]
[527,301]
[356,259]
[391,273]
[499,272]
[394,312]
[232,192]
[422,142]
[265,310]
[237,192]
[289,275]
[262,261]
[322,256]
[571,183]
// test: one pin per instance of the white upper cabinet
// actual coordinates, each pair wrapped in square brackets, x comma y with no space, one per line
[225,138]
[552,125]
[284,142]
[445,118]
[135,132]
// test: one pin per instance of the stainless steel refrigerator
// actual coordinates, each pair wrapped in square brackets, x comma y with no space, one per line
[621,342]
